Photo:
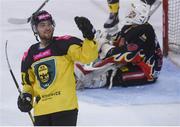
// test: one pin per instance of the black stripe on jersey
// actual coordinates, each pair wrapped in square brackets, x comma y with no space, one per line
[58,47]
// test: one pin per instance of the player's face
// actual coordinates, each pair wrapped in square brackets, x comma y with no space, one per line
[45,30]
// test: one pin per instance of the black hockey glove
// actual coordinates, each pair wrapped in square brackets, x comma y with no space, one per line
[86,27]
[24,102]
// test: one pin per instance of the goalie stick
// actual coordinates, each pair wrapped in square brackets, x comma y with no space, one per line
[14,79]
[26,20]
[154,7]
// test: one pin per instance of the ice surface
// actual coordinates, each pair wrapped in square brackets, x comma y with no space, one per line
[156,104]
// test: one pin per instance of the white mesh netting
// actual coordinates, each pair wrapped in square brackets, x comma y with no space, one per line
[174,25]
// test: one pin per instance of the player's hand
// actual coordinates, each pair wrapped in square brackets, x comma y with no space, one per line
[24,102]
[86,27]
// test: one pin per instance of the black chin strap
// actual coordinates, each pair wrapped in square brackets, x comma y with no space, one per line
[35,32]
[36,36]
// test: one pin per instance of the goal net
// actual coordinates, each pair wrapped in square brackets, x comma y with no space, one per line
[171,29]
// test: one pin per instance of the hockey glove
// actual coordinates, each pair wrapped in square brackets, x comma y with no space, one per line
[24,102]
[86,27]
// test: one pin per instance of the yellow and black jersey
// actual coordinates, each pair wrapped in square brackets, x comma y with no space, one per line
[48,73]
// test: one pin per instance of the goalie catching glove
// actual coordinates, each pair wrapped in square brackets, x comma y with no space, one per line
[24,102]
[86,27]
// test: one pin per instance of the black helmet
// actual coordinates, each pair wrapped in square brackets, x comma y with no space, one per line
[39,17]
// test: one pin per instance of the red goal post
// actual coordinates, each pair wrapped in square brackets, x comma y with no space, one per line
[171,26]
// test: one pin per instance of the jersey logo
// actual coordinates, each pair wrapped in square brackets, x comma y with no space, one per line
[65,37]
[45,73]
[132,47]
[42,55]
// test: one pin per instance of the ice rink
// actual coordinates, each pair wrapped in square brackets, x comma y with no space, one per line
[157,104]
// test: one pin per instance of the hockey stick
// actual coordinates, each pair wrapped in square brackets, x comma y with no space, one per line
[27,20]
[154,7]
[14,79]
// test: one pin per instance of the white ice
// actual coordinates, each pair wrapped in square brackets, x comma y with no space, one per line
[157,104]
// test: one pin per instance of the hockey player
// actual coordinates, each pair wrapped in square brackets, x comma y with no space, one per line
[48,71]
[113,20]
[135,57]
[113,16]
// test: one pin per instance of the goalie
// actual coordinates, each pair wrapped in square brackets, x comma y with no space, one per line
[112,22]
[130,57]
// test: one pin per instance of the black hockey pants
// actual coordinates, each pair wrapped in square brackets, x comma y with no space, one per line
[64,118]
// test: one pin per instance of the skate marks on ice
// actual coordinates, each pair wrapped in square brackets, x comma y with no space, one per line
[165,90]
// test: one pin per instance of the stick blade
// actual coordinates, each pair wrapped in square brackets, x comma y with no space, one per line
[17,21]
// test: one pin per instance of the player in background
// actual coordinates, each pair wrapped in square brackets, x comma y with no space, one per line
[113,16]
[48,71]
[113,19]
[133,54]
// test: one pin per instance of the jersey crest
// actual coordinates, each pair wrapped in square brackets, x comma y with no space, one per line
[45,73]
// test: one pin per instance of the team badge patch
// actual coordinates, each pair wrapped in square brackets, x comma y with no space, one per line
[45,73]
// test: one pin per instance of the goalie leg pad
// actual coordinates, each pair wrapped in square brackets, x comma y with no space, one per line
[129,75]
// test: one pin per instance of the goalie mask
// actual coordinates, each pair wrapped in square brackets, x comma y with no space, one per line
[39,17]
[138,14]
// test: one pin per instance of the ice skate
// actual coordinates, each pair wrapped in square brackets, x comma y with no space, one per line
[111,25]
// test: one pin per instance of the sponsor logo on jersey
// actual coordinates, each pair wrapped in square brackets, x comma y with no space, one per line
[44,54]
[132,47]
